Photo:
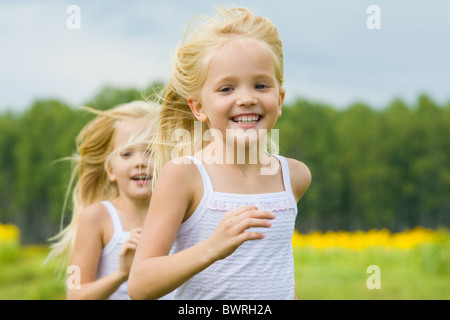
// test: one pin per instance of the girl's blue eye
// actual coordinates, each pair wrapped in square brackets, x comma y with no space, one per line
[225,89]
[125,154]
[260,86]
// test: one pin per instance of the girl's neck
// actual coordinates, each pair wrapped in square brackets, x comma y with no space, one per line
[137,208]
[230,153]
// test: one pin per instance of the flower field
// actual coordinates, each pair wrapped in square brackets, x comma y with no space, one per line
[413,264]
[9,233]
[361,240]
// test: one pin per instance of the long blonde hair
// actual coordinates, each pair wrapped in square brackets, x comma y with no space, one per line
[94,151]
[189,70]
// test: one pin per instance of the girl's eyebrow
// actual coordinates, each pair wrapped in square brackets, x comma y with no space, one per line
[231,78]
[226,78]
[268,75]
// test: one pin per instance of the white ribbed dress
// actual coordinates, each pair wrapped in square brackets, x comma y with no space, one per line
[109,261]
[258,269]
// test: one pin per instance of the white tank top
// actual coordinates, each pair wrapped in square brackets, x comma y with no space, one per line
[257,270]
[109,261]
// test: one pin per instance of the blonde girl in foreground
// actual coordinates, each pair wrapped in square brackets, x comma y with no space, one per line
[111,198]
[229,226]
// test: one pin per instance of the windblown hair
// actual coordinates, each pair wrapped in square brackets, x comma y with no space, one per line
[189,70]
[95,145]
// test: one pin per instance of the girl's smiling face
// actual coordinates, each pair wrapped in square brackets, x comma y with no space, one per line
[240,90]
[129,169]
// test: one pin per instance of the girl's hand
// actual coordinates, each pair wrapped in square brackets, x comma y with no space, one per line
[231,232]
[127,251]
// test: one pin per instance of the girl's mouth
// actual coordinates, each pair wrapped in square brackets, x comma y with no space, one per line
[141,178]
[247,119]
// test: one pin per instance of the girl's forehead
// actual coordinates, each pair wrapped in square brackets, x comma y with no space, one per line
[244,44]
[239,55]
[127,129]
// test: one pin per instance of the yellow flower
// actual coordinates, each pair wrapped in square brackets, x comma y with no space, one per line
[9,233]
[360,240]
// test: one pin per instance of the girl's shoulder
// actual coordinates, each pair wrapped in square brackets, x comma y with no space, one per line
[95,223]
[300,177]
[95,217]
[180,177]
[182,173]
[181,167]
[96,212]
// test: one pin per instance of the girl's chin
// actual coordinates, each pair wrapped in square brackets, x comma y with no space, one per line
[142,197]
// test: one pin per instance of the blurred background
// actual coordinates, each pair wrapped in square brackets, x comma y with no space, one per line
[367,109]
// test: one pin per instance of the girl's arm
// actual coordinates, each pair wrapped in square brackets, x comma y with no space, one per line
[300,178]
[87,253]
[154,273]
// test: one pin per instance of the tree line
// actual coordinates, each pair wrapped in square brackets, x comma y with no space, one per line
[386,168]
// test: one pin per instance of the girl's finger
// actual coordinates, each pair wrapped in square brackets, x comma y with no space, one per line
[136,231]
[243,209]
[250,235]
[258,214]
[253,223]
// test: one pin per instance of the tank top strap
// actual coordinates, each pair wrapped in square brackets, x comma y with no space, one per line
[207,184]
[118,231]
[286,174]
[114,216]
[208,194]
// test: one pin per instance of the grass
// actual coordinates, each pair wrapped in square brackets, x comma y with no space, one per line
[422,272]
[24,277]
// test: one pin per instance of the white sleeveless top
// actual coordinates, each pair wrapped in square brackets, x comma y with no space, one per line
[258,269]
[109,261]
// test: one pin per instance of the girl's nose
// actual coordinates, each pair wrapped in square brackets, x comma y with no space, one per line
[246,99]
[141,159]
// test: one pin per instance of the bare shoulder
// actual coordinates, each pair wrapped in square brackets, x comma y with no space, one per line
[179,173]
[95,213]
[94,228]
[179,176]
[179,167]
[172,198]
[300,177]
[94,220]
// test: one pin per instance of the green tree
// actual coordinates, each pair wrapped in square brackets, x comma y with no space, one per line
[47,132]
[360,136]
[9,136]
[387,168]
[307,133]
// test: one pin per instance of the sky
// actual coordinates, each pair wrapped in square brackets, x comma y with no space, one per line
[335,52]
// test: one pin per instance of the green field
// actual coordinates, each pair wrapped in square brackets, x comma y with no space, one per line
[23,276]
[419,273]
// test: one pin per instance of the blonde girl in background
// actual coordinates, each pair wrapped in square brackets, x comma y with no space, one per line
[228,227]
[113,176]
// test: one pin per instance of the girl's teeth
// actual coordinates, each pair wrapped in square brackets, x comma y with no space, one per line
[141,178]
[246,119]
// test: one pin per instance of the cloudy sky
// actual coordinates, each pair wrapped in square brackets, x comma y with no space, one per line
[330,53]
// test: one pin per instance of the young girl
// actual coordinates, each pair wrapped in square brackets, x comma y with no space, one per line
[111,198]
[229,225]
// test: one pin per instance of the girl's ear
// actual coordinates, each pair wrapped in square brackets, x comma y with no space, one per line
[281,100]
[197,109]
[109,172]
